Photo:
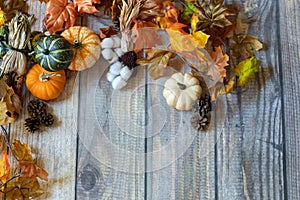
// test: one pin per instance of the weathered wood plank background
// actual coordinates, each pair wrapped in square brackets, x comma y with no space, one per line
[255,156]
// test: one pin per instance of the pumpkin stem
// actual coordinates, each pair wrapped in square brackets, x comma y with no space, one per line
[181,86]
[44,77]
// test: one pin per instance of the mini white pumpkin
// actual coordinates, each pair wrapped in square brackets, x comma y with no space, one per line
[181,90]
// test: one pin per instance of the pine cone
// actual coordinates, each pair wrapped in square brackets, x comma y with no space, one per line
[203,106]
[36,108]
[200,122]
[47,119]
[32,124]
[129,59]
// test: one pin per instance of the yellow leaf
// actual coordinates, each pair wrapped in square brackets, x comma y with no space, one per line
[2,20]
[4,166]
[182,42]
[201,37]
[21,151]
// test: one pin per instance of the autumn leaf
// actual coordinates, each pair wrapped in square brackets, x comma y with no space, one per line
[157,61]
[86,6]
[107,32]
[59,14]
[230,85]
[12,7]
[182,42]
[246,70]
[2,20]
[244,45]
[188,11]
[220,62]
[23,188]
[150,10]
[21,151]
[4,166]
[241,28]
[30,169]
[201,37]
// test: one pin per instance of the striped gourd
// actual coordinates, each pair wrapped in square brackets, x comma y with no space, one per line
[53,52]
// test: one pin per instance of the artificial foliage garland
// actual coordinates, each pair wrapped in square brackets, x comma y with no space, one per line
[216,28]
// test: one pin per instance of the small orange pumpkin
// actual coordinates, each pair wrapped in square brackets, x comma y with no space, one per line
[43,84]
[86,46]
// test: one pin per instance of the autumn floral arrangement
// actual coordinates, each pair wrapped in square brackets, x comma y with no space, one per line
[203,46]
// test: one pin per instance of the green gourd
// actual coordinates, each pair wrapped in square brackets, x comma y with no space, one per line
[53,52]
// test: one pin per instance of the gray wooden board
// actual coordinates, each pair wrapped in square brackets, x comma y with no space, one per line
[289,32]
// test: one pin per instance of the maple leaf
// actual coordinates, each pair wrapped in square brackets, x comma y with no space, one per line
[23,188]
[4,166]
[59,14]
[86,6]
[220,62]
[30,169]
[244,45]
[201,37]
[21,151]
[246,70]
[157,61]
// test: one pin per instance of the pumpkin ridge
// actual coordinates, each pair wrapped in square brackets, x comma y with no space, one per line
[53,43]
[90,53]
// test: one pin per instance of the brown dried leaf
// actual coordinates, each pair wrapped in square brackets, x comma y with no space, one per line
[157,61]
[30,169]
[244,45]
[11,7]
[21,151]
[107,32]
[151,9]
[86,6]
[59,14]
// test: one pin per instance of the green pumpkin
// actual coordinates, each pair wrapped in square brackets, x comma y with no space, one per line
[4,47]
[53,52]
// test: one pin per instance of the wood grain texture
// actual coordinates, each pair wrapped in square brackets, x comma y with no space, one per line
[250,152]
[111,140]
[289,20]
[55,147]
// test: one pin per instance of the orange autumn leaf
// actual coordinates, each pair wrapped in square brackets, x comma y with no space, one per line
[21,151]
[4,166]
[220,62]
[60,14]
[30,169]
[86,6]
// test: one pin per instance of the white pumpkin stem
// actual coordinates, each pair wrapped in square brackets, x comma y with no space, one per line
[181,86]
[44,77]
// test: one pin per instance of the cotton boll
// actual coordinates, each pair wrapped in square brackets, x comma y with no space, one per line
[117,42]
[107,54]
[125,73]
[115,68]
[114,58]
[119,52]
[118,83]
[107,43]
[110,77]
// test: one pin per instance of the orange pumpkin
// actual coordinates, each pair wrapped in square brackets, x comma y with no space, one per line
[86,45]
[43,84]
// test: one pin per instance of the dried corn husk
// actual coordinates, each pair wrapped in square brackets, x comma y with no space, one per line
[130,10]
[19,32]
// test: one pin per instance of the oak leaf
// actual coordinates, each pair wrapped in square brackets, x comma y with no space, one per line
[246,70]
[157,61]
[86,6]
[59,14]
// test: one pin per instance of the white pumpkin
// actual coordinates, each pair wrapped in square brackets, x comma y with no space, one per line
[181,90]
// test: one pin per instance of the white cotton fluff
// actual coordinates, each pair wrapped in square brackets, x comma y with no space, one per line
[119,52]
[107,43]
[114,58]
[110,77]
[125,73]
[107,54]
[117,42]
[115,68]
[118,83]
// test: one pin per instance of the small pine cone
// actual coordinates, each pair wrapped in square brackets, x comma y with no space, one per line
[200,122]
[47,119]
[36,108]
[129,59]
[32,124]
